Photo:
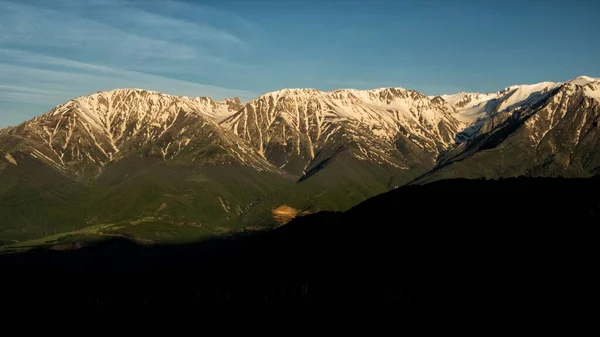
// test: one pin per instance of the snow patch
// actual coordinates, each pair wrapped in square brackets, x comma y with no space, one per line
[593,90]
[583,80]
[226,207]
[524,94]
[11,159]
[39,155]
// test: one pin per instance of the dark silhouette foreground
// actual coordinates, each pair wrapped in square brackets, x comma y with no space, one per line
[457,243]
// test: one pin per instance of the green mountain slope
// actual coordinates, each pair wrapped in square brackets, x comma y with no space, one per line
[37,200]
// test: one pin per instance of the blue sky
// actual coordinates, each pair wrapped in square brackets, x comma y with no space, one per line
[51,51]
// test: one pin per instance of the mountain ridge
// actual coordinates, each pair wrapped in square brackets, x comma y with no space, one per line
[127,157]
[581,80]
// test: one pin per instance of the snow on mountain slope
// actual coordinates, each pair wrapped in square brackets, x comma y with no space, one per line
[524,94]
[104,109]
[472,106]
[86,133]
[593,90]
[469,99]
[473,109]
[583,80]
[591,85]
[556,135]
[290,127]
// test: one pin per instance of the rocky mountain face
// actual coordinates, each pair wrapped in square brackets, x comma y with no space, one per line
[127,155]
[145,164]
[343,146]
[83,135]
[550,131]
[297,129]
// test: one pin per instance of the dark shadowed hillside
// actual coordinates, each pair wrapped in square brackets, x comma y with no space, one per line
[457,243]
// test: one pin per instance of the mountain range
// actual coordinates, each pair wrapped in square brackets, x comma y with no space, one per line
[162,168]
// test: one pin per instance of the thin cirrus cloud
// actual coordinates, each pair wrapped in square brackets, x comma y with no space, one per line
[51,51]
[56,78]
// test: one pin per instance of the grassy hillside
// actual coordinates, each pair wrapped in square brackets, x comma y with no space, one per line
[335,185]
[36,200]
[457,244]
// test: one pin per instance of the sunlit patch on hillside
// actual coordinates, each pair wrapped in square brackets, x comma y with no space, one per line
[284,214]
[11,159]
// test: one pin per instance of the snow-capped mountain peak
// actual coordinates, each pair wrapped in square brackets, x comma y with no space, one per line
[524,94]
[474,106]
[296,92]
[92,130]
[103,108]
[474,109]
[290,127]
[589,85]
[583,80]
[471,106]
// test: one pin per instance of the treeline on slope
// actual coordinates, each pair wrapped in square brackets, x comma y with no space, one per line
[513,242]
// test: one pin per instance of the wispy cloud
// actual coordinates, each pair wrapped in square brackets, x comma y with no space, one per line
[61,83]
[51,51]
